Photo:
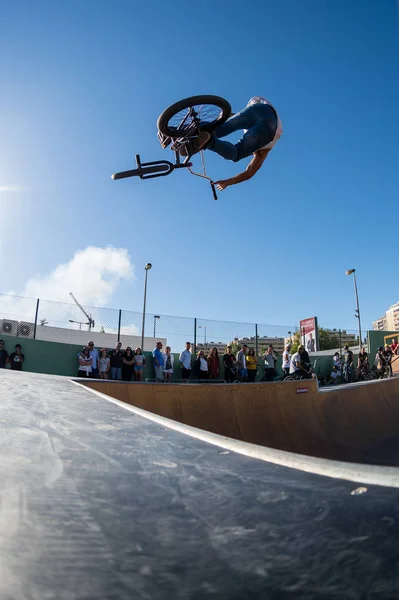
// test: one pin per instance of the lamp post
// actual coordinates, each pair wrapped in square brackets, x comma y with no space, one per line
[147,268]
[357,311]
[204,328]
[289,333]
[155,320]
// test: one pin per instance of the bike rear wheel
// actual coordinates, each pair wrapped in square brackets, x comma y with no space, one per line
[194,114]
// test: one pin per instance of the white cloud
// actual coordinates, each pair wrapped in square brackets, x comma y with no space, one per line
[92,274]
[12,188]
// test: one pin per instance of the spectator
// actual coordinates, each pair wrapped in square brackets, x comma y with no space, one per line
[116,357]
[127,364]
[213,364]
[297,366]
[185,362]
[17,358]
[242,363]
[168,360]
[139,364]
[270,363]
[394,346]
[201,366]
[94,355]
[336,371]
[286,360]
[229,365]
[362,363]
[348,363]
[104,364]
[251,365]
[4,358]
[158,361]
[85,363]
[387,354]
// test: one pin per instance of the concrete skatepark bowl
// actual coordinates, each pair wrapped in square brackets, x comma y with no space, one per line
[121,491]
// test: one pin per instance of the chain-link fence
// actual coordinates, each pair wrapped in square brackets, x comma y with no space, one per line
[74,324]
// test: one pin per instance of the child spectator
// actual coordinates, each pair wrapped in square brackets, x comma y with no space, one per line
[104,364]
[139,364]
[17,358]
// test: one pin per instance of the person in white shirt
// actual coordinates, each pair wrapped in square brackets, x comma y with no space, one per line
[286,360]
[270,363]
[185,362]
[336,372]
[296,364]
[262,129]
[201,365]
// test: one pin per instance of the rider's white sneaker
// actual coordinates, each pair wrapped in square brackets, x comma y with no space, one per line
[194,146]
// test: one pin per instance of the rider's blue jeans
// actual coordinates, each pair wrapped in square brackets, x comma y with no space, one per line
[261,122]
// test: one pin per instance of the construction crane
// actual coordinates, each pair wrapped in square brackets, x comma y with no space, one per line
[90,322]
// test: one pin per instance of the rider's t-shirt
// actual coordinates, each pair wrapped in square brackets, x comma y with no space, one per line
[296,358]
[348,357]
[387,354]
[363,357]
[279,130]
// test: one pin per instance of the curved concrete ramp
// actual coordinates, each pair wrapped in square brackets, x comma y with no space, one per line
[356,423]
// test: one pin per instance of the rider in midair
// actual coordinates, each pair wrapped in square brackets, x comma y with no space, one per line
[262,129]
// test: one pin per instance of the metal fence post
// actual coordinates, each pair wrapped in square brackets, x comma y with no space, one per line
[195,336]
[119,325]
[36,315]
[256,339]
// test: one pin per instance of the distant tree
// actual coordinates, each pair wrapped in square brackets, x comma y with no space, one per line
[296,341]
[43,322]
[102,330]
[327,339]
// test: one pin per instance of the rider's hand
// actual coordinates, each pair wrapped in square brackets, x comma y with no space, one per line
[222,184]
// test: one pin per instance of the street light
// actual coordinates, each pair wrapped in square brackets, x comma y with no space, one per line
[204,328]
[289,333]
[155,320]
[147,268]
[357,311]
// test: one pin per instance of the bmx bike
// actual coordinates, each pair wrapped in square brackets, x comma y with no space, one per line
[178,125]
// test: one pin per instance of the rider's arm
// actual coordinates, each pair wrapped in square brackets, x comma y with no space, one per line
[252,168]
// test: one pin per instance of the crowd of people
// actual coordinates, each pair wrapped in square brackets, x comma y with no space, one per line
[114,364]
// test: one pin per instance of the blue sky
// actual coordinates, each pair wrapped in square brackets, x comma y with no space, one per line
[82,86]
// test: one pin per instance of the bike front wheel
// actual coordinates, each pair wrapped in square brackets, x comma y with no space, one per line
[194,114]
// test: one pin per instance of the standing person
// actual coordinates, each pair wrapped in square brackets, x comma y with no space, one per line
[362,363]
[229,365]
[116,357]
[85,362]
[95,356]
[17,358]
[201,366]
[139,364]
[127,364]
[167,365]
[185,362]
[251,365]
[270,363]
[394,346]
[4,358]
[348,363]
[286,360]
[158,361]
[104,364]
[213,364]
[387,354]
[242,363]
